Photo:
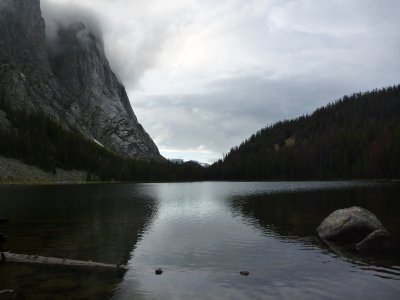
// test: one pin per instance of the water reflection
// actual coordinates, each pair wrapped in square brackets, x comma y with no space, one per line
[203,234]
[295,216]
[299,213]
[96,222]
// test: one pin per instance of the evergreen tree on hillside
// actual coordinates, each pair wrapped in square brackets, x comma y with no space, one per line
[354,137]
[38,140]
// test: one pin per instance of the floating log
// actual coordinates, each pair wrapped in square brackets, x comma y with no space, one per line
[7,257]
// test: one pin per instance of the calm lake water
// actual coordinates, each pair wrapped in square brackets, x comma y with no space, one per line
[201,234]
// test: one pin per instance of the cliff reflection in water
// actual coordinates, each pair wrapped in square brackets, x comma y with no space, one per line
[201,234]
[86,222]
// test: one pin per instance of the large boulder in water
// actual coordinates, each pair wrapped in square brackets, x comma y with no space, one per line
[349,225]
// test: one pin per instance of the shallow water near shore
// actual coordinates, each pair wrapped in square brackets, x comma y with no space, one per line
[201,234]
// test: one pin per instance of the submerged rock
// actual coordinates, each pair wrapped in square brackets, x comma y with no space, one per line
[349,225]
[378,242]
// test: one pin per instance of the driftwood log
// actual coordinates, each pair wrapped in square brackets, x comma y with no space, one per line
[8,257]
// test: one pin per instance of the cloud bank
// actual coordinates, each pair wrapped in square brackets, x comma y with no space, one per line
[203,75]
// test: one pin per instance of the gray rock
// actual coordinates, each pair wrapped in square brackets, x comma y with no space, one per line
[13,170]
[68,79]
[26,79]
[349,225]
[379,242]
[100,107]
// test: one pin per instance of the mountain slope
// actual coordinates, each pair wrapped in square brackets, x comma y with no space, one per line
[82,68]
[72,83]
[355,137]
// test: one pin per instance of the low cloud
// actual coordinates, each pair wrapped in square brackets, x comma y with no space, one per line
[235,108]
[208,74]
[58,16]
[134,32]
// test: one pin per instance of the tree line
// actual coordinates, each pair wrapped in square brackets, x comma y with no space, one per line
[357,136]
[39,140]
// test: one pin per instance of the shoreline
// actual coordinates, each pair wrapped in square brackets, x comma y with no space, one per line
[13,172]
[33,182]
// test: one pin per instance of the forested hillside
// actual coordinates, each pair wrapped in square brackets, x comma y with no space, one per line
[357,136]
[38,140]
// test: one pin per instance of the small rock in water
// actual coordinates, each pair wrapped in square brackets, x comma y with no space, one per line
[244,273]
[159,271]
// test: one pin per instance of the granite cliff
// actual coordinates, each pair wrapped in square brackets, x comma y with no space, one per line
[69,80]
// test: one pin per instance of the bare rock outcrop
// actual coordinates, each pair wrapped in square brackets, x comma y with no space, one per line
[71,81]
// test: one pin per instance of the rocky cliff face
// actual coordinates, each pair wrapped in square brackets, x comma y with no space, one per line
[78,60]
[70,81]
[26,80]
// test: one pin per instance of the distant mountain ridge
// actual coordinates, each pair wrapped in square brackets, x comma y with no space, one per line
[355,137]
[73,85]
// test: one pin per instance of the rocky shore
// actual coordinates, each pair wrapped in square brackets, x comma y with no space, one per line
[13,171]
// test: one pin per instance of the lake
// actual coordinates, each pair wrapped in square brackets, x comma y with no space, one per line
[201,234]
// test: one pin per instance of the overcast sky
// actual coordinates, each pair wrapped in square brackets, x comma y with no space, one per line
[203,75]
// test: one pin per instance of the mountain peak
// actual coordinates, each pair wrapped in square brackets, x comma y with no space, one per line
[68,78]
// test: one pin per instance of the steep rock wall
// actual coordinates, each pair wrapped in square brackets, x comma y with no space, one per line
[72,82]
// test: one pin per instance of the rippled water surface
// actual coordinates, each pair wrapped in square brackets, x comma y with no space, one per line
[201,234]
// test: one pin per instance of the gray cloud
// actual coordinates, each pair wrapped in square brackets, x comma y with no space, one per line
[232,110]
[5,3]
[133,40]
[236,107]
[203,75]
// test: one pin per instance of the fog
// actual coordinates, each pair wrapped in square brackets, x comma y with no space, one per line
[60,16]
